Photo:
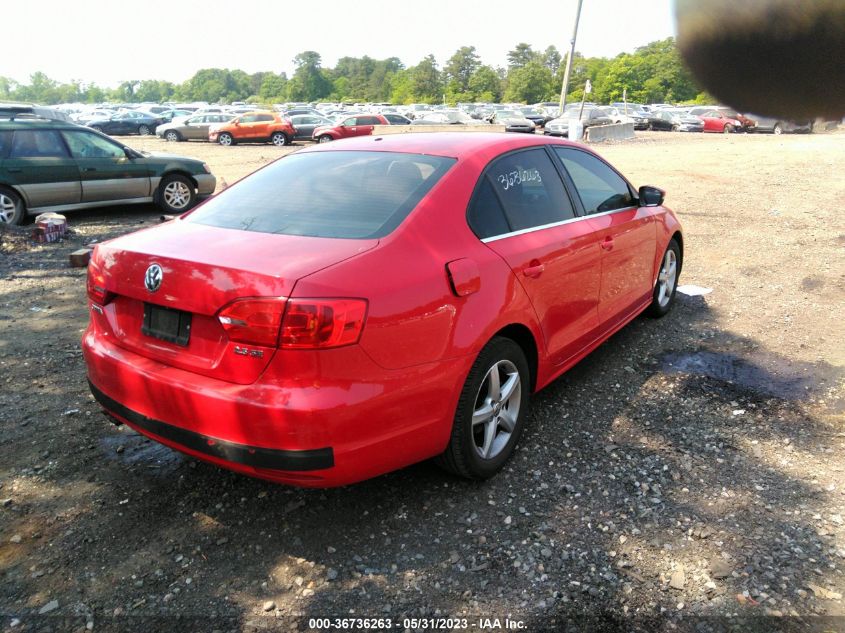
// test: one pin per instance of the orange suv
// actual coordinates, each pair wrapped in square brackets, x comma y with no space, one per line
[253,127]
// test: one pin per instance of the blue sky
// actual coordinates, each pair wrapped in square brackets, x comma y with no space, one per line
[106,43]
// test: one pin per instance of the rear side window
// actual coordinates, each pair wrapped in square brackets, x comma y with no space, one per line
[354,195]
[37,144]
[529,190]
[599,186]
[5,143]
[264,117]
[485,215]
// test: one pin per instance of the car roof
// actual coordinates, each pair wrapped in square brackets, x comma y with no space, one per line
[21,123]
[453,144]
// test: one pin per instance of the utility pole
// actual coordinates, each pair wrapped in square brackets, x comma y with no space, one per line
[569,59]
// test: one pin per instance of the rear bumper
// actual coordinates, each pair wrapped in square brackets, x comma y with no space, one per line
[243,454]
[312,419]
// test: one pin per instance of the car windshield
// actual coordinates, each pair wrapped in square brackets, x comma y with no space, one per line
[341,194]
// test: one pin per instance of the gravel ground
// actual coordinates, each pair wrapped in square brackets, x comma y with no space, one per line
[688,475]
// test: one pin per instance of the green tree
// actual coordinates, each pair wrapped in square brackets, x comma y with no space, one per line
[520,56]
[530,84]
[308,82]
[551,59]
[485,84]
[426,81]
[273,87]
[460,68]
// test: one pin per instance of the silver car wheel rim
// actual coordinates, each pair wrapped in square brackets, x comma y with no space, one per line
[225,140]
[177,194]
[279,139]
[666,278]
[172,136]
[324,139]
[144,130]
[496,409]
[7,209]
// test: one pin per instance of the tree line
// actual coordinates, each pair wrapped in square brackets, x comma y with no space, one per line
[652,74]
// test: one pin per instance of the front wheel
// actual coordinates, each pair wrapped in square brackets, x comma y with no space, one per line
[667,281]
[676,128]
[491,412]
[176,194]
[173,136]
[12,210]
[777,129]
[728,128]
[226,139]
[325,138]
[144,130]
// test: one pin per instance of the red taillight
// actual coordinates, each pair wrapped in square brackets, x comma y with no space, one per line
[254,321]
[322,323]
[96,286]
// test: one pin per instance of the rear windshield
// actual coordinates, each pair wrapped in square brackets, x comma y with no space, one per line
[355,195]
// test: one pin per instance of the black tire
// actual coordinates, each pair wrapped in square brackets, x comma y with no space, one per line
[279,139]
[144,130]
[660,306]
[173,136]
[728,128]
[226,139]
[777,129]
[676,128]
[176,194]
[462,455]
[12,207]
[325,138]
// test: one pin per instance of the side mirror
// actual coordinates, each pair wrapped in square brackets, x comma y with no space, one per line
[651,196]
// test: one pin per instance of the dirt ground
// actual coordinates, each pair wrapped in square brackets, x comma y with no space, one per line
[689,474]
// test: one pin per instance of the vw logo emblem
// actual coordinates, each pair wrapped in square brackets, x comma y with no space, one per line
[152,278]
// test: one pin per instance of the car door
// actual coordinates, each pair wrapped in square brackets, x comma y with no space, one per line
[264,125]
[107,173]
[196,128]
[348,128]
[42,169]
[522,211]
[365,125]
[625,233]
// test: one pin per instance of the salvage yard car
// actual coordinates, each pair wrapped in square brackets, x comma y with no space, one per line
[55,166]
[352,309]
[358,125]
[194,128]
[128,122]
[253,127]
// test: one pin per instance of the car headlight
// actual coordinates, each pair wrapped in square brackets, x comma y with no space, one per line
[206,168]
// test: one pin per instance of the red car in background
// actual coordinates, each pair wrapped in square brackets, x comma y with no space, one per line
[718,121]
[345,312]
[355,125]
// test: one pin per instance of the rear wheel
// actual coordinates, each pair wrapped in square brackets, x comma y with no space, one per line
[777,129]
[325,138]
[176,194]
[491,412]
[280,139]
[12,210]
[667,281]
[676,128]
[728,128]
[173,136]
[226,139]
[144,130]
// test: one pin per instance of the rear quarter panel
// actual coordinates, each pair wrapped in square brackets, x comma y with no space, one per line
[414,317]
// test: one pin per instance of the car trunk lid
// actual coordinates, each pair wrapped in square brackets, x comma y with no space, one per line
[203,269]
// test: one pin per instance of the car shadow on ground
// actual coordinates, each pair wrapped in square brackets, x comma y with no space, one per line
[639,490]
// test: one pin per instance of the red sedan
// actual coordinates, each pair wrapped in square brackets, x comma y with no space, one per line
[358,307]
[356,125]
[717,121]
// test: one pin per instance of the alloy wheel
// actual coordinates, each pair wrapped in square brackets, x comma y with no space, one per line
[177,194]
[7,209]
[496,409]
[666,278]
